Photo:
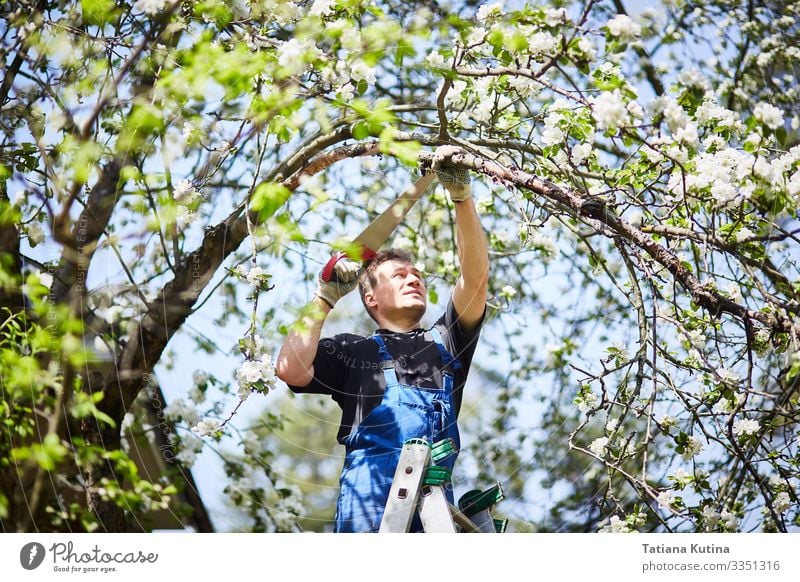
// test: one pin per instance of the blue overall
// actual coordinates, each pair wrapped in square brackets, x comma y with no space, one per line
[373,448]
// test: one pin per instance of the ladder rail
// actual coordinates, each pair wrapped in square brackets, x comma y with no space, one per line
[418,485]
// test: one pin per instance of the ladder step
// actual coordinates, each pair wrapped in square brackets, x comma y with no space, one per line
[475,501]
[443,449]
[435,475]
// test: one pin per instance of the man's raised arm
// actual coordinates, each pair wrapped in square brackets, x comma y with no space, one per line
[469,295]
[295,364]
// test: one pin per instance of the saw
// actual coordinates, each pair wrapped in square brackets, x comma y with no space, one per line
[379,230]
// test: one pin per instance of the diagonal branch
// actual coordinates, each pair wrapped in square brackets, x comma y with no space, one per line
[596,215]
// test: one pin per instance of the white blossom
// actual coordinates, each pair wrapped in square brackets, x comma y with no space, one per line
[674,114]
[598,446]
[611,425]
[293,54]
[546,246]
[782,502]
[457,93]
[624,27]
[179,409]
[206,428]
[322,8]
[476,36]
[555,16]
[727,376]
[587,49]
[726,406]
[184,192]
[729,520]
[35,234]
[185,217]
[609,110]
[581,152]
[692,448]
[688,135]
[635,109]
[508,291]
[542,43]
[769,115]
[256,374]
[362,71]
[746,426]
[552,136]
[186,457]
[489,11]
[710,516]
[665,499]
[711,113]
[435,59]
[255,276]
[694,78]
[346,92]
[483,112]
[668,421]
[734,293]
[587,399]
[150,7]
[615,525]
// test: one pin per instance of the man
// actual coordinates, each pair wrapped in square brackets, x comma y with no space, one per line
[402,382]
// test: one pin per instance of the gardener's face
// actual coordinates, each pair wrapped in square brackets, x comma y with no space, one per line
[398,292]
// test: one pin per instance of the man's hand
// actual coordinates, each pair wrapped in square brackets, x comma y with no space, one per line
[344,279]
[455,180]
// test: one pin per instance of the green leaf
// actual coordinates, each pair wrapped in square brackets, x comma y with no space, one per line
[214,10]
[516,43]
[781,135]
[144,120]
[405,48]
[267,198]
[495,38]
[361,130]
[47,454]
[84,160]
[98,12]
[405,151]
[85,406]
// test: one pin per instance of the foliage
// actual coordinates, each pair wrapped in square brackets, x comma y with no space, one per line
[174,168]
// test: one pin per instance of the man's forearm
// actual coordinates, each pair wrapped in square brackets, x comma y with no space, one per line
[473,250]
[295,363]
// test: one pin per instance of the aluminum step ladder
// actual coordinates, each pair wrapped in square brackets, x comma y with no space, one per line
[419,484]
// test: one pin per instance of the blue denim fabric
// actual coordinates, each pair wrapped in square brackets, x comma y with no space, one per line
[373,448]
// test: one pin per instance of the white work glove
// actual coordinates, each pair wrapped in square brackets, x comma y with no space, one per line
[343,280]
[455,180]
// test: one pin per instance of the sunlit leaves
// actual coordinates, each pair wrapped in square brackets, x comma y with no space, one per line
[267,198]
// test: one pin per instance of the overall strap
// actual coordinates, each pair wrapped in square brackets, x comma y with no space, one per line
[383,351]
[448,359]
[389,373]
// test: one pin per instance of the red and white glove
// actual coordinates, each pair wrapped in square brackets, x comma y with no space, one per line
[342,279]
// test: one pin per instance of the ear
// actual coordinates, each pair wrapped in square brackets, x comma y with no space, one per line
[369,299]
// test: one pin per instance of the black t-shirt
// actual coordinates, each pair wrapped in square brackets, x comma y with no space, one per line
[348,367]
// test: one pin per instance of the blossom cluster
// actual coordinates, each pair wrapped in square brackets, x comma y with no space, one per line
[712,518]
[186,198]
[746,427]
[257,373]
[256,276]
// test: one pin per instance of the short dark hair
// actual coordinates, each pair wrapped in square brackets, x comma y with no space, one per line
[368,280]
